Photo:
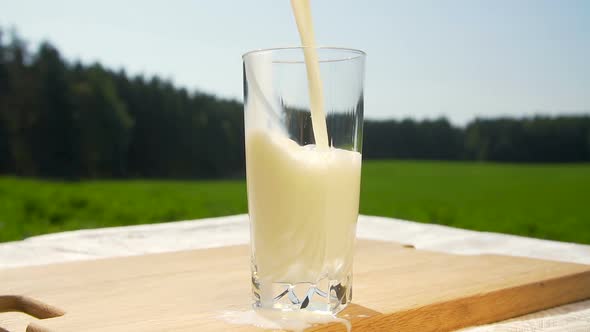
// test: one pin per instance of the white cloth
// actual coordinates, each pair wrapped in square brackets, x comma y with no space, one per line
[216,232]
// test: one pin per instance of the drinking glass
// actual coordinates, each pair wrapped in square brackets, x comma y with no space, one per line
[303,198]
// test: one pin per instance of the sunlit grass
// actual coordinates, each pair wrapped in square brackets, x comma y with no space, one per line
[547,201]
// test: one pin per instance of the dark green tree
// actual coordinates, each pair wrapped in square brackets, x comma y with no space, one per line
[101,124]
[52,134]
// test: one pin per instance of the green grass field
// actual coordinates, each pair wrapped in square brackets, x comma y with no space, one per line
[546,201]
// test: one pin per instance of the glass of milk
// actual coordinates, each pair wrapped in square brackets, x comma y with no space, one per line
[303,126]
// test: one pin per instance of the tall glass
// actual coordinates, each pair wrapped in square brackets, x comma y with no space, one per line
[302,199]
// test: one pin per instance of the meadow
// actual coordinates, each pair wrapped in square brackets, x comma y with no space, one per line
[550,201]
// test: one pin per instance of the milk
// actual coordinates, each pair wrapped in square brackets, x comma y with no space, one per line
[296,321]
[303,206]
[302,12]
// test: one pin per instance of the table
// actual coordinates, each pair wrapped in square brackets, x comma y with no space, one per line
[233,230]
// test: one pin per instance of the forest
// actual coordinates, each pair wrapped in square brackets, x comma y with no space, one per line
[68,120]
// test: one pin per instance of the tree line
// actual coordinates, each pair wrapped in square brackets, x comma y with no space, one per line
[69,120]
[85,121]
[532,139]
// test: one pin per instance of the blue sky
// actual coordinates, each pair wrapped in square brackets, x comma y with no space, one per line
[460,59]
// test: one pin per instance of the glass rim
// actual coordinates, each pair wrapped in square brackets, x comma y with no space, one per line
[355,53]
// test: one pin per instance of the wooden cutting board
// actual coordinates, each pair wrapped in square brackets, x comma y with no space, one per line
[395,289]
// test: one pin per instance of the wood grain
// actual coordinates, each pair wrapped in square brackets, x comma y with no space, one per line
[395,289]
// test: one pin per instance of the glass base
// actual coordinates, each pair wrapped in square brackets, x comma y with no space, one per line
[326,296]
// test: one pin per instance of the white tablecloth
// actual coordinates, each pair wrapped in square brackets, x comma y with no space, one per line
[216,232]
